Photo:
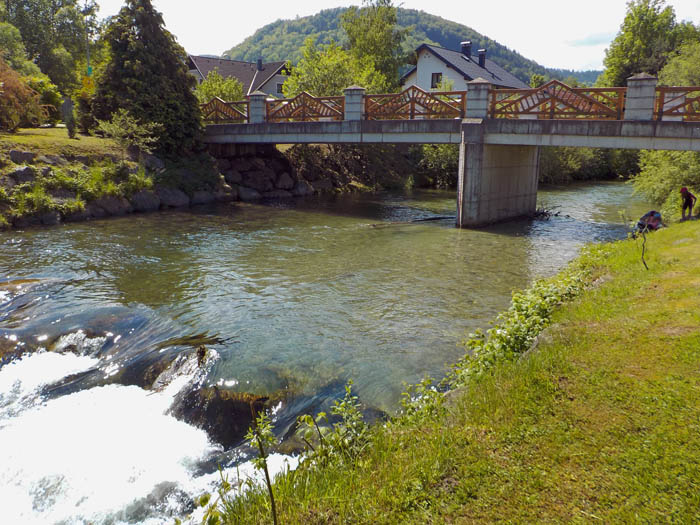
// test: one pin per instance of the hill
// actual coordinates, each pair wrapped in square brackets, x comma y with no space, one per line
[283,39]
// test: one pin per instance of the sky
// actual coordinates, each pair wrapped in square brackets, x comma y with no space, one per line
[554,33]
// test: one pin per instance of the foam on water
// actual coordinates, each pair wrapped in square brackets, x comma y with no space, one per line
[105,455]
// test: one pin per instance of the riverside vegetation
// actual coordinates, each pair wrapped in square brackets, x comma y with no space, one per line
[573,407]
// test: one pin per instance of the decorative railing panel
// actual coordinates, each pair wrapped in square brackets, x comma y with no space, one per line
[678,103]
[216,111]
[414,103]
[555,100]
[304,108]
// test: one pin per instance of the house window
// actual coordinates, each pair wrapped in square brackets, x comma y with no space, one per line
[435,80]
[279,88]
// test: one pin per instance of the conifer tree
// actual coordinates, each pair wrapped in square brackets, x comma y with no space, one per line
[147,77]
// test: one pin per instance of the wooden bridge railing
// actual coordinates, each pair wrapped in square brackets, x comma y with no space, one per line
[678,103]
[416,104]
[556,100]
[305,108]
[216,111]
[553,100]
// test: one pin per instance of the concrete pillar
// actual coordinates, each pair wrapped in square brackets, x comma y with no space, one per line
[355,103]
[496,182]
[478,91]
[641,97]
[257,111]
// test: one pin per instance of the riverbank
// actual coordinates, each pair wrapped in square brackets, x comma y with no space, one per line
[597,422]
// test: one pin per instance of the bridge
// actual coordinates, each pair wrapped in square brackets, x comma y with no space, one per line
[499,131]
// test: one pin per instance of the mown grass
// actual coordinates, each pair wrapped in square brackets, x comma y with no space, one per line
[55,141]
[600,423]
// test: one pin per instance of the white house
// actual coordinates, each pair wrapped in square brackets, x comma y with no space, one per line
[437,66]
[267,78]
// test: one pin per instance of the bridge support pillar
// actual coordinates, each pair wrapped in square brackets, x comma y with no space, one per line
[496,183]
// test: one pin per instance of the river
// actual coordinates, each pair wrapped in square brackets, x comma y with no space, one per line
[293,300]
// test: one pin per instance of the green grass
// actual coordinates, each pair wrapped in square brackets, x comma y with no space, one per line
[601,423]
[55,141]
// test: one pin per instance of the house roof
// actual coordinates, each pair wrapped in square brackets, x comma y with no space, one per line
[470,69]
[246,72]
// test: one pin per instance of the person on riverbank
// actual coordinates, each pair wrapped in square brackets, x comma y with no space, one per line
[650,221]
[688,202]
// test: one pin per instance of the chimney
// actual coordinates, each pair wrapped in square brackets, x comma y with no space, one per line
[482,58]
[467,48]
[260,68]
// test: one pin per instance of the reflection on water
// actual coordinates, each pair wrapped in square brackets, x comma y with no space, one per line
[296,297]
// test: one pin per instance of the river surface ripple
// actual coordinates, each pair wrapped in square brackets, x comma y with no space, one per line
[295,297]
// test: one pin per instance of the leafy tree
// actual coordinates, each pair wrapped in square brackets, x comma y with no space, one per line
[663,173]
[54,34]
[684,68]
[228,89]
[328,70]
[147,76]
[648,35]
[18,103]
[49,96]
[373,32]
[13,51]
[129,133]
[537,80]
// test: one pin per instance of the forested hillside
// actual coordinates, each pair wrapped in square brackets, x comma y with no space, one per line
[282,40]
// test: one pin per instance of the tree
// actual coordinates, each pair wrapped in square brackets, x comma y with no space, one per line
[54,34]
[647,37]
[537,80]
[373,33]
[129,133]
[328,70]
[13,51]
[18,103]
[147,76]
[684,68]
[228,89]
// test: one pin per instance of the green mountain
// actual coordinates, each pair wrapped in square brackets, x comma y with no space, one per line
[283,39]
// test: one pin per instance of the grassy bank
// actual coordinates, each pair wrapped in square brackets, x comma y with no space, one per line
[598,423]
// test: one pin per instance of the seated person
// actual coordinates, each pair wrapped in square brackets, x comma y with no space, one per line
[650,221]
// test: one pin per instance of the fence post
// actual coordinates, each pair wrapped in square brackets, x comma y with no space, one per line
[478,91]
[641,97]
[257,111]
[354,103]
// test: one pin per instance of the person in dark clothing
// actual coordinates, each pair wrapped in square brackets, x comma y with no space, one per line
[688,202]
[650,221]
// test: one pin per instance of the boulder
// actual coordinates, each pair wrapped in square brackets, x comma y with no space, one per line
[62,194]
[115,206]
[7,182]
[257,163]
[202,197]
[144,201]
[302,189]
[26,221]
[22,175]
[276,165]
[52,160]
[323,185]
[248,194]
[226,193]
[241,164]
[233,176]
[50,218]
[79,215]
[22,157]
[277,194]
[285,181]
[224,164]
[83,159]
[172,198]
[95,211]
[152,163]
[223,414]
[258,180]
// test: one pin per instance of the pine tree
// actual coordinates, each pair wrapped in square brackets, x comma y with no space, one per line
[147,77]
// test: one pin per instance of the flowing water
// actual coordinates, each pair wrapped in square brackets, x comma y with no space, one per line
[292,299]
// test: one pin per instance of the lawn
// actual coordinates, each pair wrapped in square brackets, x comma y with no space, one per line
[55,141]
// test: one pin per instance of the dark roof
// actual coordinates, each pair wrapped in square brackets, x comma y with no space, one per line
[469,68]
[246,72]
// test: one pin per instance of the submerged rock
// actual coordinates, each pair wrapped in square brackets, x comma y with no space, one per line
[112,205]
[226,416]
[277,194]
[248,194]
